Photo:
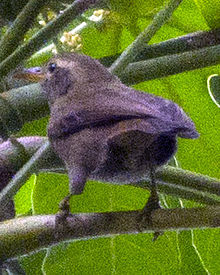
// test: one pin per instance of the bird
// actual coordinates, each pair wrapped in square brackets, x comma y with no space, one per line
[104,130]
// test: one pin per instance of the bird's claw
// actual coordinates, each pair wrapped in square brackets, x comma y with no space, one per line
[64,206]
[146,214]
[61,216]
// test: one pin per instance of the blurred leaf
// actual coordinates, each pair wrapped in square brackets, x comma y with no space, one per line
[188,18]
[118,255]
[102,41]
[97,197]
[135,8]
[211,12]
[192,252]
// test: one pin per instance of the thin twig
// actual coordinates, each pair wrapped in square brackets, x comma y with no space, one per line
[22,175]
[45,35]
[20,26]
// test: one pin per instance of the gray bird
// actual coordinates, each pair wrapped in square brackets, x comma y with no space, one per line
[104,130]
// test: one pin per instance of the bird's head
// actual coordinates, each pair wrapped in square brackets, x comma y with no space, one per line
[67,73]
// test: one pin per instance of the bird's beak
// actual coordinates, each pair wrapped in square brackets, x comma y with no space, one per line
[34,74]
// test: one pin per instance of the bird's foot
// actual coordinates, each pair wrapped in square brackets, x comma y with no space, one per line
[146,214]
[61,217]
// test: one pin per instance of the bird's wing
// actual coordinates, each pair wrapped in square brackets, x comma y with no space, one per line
[108,106]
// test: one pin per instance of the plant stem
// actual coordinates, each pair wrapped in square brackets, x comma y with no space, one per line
[170,65]
[140,42]
[22,175]
[189,179]
[20,26]
[44,35]
[189,42]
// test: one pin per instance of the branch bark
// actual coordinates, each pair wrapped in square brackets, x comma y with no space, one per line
[24,235]
[169,65]
[185,43]
[23,105]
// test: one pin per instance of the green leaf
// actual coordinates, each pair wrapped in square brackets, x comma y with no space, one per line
[23,199]
[211,12]
[207,243]
[32,264]
[189,18]
[189,258]
[34,128]
[192,252]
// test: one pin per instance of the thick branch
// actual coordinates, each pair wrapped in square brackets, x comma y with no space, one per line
[23,22]
[170,65]
[189,179]
[189,42]
[140,42]
[21,105]
[177,190]
[24,235]
[45,35]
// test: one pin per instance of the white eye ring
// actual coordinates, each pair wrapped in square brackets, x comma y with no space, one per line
[52,67]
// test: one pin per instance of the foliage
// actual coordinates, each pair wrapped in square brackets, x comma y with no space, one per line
[183,252]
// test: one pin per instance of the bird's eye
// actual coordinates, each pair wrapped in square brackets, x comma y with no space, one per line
[52,67]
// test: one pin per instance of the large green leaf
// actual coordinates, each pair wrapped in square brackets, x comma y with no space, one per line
[192,252]
[211,12]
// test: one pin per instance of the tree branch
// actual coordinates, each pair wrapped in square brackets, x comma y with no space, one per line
[45,35]
[170,65]
[22,176]
[189,179]
[22,23]
[22,104]
[27,234]
[143,38]
[185,43]
[167,187]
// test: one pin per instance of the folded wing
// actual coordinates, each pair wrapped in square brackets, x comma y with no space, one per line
[109,106]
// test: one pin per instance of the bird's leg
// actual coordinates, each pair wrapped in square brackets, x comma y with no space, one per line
[64,207]
[152,204]
[61,217]
[77,180]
